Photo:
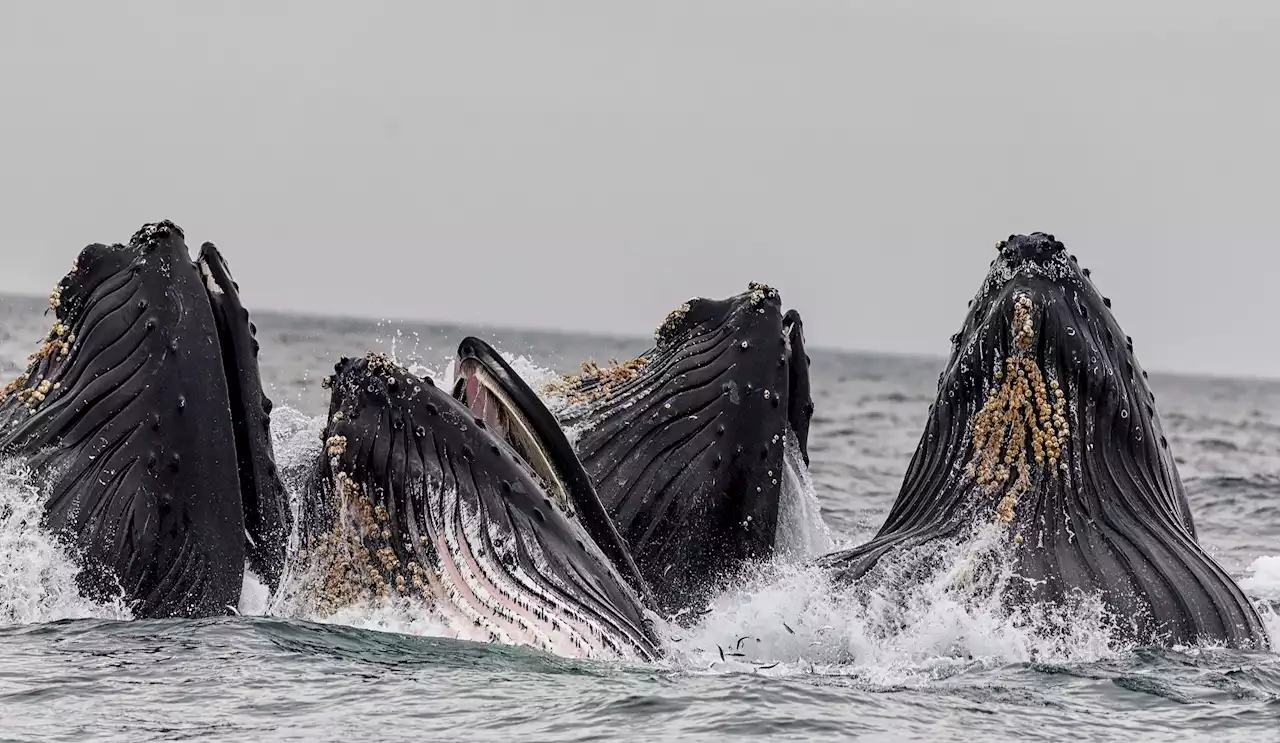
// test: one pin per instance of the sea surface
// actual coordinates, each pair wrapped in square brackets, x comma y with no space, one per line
[779,656]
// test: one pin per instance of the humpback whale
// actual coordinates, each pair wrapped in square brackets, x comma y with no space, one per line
[1046,429]
[142,414]
[686,443]
[417,495]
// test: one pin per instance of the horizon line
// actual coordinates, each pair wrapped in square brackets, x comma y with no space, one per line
[624,335]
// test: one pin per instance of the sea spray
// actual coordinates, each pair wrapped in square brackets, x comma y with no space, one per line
[930,609]
[802,533]
[37,574]
[1262,583]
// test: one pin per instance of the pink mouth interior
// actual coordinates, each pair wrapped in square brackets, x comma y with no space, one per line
[483,404]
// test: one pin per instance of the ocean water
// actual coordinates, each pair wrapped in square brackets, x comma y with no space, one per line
[780,655]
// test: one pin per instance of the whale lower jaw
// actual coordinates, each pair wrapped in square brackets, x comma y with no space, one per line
[1046,431]
[464,575]
[143,418]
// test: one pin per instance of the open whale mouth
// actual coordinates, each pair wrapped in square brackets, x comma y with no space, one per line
[497,395]
[492,401]
[418,497]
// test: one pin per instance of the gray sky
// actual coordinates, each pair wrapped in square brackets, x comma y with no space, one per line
[590,164]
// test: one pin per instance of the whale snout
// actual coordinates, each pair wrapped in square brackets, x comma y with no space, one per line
[1037,248]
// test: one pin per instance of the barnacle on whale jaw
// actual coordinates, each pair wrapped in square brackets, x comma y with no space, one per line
[595,382]
[672,321]
[34,386]
[350,562]
[1024,412]
[760,292]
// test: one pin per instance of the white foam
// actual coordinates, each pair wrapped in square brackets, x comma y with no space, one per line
[890,630]
[534,375]
[37,576]
[255,597]
[801,531]
[401,615]
[1262,583]
[1263,578]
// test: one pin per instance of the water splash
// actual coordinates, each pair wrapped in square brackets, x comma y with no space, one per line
[1262,583]
[921,615]
[787,618]
[403,616]
[255,596]
[1262,578]
[801,531]
[295,437]
[37,575]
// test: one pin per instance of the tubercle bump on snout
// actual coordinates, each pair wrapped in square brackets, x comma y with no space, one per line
[699,313]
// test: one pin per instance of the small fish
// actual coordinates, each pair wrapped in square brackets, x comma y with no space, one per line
[721,653]
[704,613]
[737,655]
[742,640]
[784,624]
[765,668]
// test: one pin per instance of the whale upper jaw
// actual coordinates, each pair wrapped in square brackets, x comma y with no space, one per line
[686,443]
[128,414]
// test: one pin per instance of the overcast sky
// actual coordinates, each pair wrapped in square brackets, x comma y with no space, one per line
[590,164]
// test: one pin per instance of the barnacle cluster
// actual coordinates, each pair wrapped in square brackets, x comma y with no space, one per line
[380,363]
[759,292]
[31,397]
[375,363]
[1023,409]
[57,344]
[30,392]
[596,382]
[672,321]
[14,384]
[354,560]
